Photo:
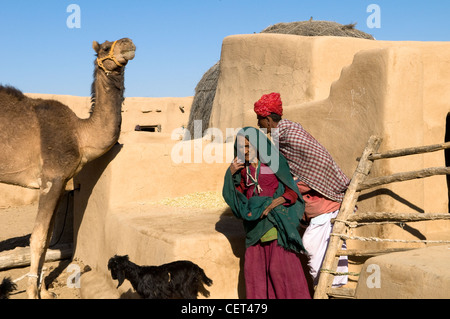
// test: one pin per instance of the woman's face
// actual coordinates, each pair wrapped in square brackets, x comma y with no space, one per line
[246,149]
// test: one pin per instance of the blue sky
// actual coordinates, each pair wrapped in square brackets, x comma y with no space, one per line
[177,41]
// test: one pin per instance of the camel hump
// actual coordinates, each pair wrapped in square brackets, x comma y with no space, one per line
[12,91]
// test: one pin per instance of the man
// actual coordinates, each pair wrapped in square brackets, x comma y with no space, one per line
[320,180]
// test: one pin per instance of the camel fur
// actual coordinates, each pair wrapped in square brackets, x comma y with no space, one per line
[44,144]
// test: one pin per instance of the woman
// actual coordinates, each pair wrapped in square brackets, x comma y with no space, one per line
[260,190]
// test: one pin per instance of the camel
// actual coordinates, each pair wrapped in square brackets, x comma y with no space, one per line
[44,144]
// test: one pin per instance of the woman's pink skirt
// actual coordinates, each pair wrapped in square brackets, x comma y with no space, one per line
[272,272]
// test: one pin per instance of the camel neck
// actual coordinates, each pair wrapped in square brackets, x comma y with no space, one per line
[102,129]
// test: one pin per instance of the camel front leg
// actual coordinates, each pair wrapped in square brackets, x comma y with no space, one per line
[50,194]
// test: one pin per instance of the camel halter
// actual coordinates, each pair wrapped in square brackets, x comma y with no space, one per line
[109,56]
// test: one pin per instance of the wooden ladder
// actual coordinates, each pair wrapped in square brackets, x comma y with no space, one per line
[357,184]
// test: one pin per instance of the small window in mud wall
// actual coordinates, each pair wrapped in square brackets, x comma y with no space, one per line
[447,155]
[148,128]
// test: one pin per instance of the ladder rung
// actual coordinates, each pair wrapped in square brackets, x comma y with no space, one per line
[370,253]
[344,293]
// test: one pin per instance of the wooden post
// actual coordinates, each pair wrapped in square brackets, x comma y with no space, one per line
[347,207]
[21,256]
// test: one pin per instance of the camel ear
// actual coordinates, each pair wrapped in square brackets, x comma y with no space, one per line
[96,46]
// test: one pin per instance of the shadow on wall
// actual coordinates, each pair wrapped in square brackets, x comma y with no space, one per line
[388,192]
[447,154]
[85,182]
[233,230]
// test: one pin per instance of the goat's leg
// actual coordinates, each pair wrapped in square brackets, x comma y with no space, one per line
[50,194]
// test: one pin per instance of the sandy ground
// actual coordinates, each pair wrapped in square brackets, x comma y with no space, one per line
[61,281]
[16,225]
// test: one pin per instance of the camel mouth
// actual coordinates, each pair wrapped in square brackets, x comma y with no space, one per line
[125,56]
[128,55]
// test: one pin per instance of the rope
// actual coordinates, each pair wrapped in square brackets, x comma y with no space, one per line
[356,224]
[109,56]
[390,240]
[26,275]
[336,273]
[30,275]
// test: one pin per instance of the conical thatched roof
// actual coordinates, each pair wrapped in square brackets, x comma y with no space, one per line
[205,92]
[206,88]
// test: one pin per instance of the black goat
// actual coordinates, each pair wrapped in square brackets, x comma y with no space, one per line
[6,287]
[176,280]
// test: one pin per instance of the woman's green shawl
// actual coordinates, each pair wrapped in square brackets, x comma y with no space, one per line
[286,219]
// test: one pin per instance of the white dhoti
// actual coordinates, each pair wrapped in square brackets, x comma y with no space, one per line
[315,240]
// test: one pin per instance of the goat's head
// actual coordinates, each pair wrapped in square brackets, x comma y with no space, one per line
[117,266]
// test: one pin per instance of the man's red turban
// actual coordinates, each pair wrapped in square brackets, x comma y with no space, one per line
[269,103]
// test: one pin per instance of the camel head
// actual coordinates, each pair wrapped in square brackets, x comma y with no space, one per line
[112,56]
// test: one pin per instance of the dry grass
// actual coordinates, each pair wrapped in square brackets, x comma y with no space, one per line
[318,28]
[196,200]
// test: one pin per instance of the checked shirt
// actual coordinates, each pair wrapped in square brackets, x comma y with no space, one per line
[309,161]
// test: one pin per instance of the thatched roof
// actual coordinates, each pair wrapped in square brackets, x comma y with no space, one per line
[206,89]
[205,92]
[318,28]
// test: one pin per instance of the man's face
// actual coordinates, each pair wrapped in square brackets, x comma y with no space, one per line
[264,123]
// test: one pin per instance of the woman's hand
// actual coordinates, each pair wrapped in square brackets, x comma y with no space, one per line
[276,202]
[236,166]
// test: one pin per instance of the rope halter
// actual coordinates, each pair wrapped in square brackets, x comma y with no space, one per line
[109,56]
